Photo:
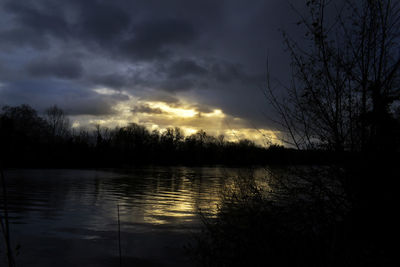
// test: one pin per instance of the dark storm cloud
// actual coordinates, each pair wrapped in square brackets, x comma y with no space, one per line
[113,80]
[185,67]
[187,74]
[161,97]
[107,25]
[227,72]
[3,71]
[214,51]
[48,19]
[91,22]
[150,39]
[59,67]
[89,106]
[18,37]
[172,85]
[74,100]
[144,108]
[101,22]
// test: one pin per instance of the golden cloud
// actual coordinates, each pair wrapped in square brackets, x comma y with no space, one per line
[190,117]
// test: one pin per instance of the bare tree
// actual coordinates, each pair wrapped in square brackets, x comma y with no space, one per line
[58,122]
[345,77]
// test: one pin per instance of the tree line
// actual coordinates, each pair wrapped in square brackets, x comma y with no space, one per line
[31,140]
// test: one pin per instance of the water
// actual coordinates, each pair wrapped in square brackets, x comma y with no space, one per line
[69,217]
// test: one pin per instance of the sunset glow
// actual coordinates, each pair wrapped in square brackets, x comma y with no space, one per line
[185,114]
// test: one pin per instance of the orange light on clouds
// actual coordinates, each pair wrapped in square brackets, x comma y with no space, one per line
[189,116]
[173,111]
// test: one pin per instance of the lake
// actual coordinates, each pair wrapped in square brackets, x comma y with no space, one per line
[70,217]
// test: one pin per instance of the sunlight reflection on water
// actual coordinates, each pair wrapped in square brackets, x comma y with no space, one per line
[74,212]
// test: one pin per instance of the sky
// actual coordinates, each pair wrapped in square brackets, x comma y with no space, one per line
[176,63]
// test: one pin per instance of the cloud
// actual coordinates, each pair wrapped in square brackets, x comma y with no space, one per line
[20,37]
[90,105]
[60,67]
[185,67]
[209,53]
[161,97]
[153,39]
[173,85]
[113,80]
[101,22]
[145,108]
[202,108]
[41,19]
[228,72]
[63,93]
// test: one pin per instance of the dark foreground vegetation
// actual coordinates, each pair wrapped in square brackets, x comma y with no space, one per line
[344,97]
[306,216]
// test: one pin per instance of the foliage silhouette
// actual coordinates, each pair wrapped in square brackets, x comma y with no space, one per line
[345,81]
[29,140]
[343,99]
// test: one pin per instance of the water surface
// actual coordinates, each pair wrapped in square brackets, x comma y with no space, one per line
[69,217]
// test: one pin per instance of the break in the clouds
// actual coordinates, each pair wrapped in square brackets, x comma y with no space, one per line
[149,61]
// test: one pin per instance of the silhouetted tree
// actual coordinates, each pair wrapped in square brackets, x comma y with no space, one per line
[58,122]
[29,140]
[22,132]
[342,97]
[345,77]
